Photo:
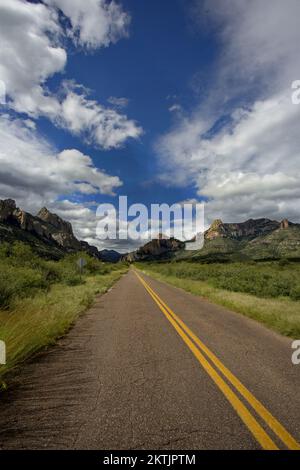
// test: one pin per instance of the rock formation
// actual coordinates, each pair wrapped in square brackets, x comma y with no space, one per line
[47,228]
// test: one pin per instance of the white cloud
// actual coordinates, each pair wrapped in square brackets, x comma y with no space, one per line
[100,126]
[35,174]
[175,108]
[251,165]
[94,23]
[82,218]
[118,102]
[32,49]
[27,55]
[84,222]
[244,158]
[259,40]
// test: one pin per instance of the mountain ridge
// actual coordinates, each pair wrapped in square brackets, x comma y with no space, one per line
[47,233]
[254,239]
[53,237]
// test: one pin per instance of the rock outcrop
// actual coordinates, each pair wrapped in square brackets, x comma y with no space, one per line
[7,208]
[252,228]
[285,223]
[46,228]
[159,248]
[60,230]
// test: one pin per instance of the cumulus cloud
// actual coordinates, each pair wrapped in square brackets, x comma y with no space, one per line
[33,172]
[84,221]
[240,149]
[27,54]
[81,216]
[32,38]
[100,126]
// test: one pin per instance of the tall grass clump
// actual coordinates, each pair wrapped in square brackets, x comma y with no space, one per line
[40,299]
[23,273]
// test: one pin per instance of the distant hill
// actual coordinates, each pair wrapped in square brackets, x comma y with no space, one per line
[47,233]
[255,239]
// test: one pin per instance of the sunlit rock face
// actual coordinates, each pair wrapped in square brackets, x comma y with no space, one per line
[252,228]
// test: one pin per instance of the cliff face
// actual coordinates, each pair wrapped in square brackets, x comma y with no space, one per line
[45,225]
[155,249]
[7,208]
[252,228]
[47,231]
[60,230]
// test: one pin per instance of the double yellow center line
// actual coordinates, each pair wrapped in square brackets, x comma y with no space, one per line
[202,354]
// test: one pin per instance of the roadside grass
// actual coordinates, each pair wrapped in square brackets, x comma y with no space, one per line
[279,313]
[33,323]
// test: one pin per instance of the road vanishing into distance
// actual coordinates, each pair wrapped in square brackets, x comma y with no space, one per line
[150,366]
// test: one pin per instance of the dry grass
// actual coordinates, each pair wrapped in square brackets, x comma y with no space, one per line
[281,315]
[35,323]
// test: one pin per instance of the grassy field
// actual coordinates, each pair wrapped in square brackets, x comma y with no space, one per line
[40,300]
[268,292]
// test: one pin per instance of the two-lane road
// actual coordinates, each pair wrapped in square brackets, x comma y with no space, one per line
[150,366]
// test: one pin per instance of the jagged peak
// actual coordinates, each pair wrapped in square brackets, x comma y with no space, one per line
[53,219]
[285,223]
[7,208]
[11,203]
[44,212]
[216,223]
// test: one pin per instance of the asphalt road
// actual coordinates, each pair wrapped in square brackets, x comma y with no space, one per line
[152,367]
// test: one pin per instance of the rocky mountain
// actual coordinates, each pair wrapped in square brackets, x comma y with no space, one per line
[47,233]
[160,248]
[257,239]
[245,230]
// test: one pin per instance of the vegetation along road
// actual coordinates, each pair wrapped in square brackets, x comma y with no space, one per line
[152,366]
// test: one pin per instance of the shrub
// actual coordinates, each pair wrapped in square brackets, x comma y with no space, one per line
[269,279]
[295,292]
[18,283]
[22,272]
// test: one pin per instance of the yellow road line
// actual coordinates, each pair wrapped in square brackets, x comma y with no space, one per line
[269,419]
[258,432]
[255,428]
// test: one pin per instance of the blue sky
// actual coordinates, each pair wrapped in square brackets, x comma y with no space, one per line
[145,69]
[162,101]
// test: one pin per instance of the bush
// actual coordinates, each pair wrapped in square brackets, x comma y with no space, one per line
[18,283]
[295,292]
[269,279]
[62,271]
[22,272]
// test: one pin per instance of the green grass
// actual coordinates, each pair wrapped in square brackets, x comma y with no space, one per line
[266,280]
[23,273]
[264,292]
[40,300]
